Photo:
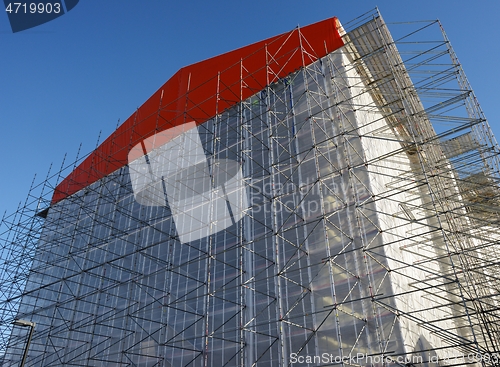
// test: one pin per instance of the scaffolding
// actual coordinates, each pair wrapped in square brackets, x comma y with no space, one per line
[371,234]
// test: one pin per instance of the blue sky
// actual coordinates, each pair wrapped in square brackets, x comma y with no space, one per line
[65,81]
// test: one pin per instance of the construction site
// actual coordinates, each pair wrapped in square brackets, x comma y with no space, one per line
[326,197]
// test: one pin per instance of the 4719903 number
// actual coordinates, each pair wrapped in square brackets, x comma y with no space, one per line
[33,8]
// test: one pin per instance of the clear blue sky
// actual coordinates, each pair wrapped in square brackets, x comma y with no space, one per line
[65,81]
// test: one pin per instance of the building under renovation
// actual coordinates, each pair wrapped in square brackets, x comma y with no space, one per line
[328,196]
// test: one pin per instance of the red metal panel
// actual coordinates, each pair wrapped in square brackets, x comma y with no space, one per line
[198,92]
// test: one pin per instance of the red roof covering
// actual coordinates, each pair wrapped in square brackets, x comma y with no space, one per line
[200,91]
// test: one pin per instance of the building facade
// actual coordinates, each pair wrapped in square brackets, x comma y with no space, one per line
[294,202]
